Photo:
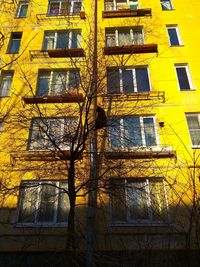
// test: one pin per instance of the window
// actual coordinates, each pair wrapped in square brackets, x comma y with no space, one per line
[64,7]
[22,9]
[138,200]
[124,36]
[6,82]
[174,36]
[62,39]
[166,4]
[14,43]
[121,4]
[193,121]
[43,202]
[132,131]
[128,80]
[52,133]
[183,76]
[57,82]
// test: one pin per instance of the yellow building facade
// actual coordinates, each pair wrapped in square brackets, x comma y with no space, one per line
[100,132]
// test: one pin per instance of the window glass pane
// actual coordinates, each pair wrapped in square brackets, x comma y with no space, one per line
[6,82]
[63,203]
[76,39]
[137,201]
[173,36]
[54,8]
[47,203]
[193,122]
[55,133]
[113,81]
[149,131]
[115,133]
[44,83]
[58,85]
[49,41]
[118,200]
[70,130]
[132,132]
[76,7]
[109,5]
[194,129]
[133,5]
[127,78]
[65,7]
[142,79]
[15,43]
[110,39]
[28,201]
[124,37]
[138,37]
[183,78]
[23,10]
[158,201]
[38,137]
[74,80]
[166,5]
[62,40]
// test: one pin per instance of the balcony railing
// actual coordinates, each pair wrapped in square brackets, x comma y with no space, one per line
[42,156]
[131,49]
[57,53]
[135,96]
[125,11]
[65,98]
[63,15]
[148,153]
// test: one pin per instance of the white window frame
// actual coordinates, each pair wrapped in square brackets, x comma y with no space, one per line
[170,2]
[135,90]
[51,75]
[54,36]
[182,65]
[60,7]
[47,145]
[149,220]
[131,30]
[6,76]
[122,134]
[175,27]
[38,186]
[126,2]
[21,4]
[197,130]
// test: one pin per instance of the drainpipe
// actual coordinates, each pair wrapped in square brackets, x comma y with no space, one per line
[91,233]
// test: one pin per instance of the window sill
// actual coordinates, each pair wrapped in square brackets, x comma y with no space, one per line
[44,225]
[195,147]
[142,224]
[186,90]
[9,53]
[176,45]
[20,17]
[173,9]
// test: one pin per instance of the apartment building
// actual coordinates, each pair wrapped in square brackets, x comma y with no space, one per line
[100,133]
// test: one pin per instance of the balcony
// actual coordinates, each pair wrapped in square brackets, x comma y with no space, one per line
[115,155]
[57,53]
[126,12]
[71,52]
[42,156]
[135,96]
[131,49]
[74,97]
[60,16]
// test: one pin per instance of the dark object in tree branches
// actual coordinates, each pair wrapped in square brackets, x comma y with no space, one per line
[101,120]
